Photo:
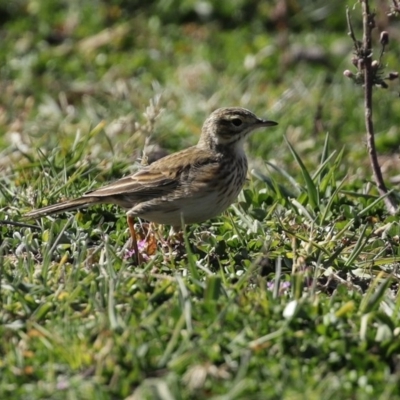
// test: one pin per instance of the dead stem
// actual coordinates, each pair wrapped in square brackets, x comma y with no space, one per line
[363,61]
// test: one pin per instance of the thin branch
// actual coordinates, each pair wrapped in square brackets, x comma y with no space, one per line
[368,25]
[357,44]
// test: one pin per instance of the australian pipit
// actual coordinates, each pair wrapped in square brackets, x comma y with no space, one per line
[192,185]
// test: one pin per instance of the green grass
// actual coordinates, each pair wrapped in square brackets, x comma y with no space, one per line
[292,293]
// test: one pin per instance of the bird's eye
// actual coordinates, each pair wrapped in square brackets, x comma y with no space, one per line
[236,121]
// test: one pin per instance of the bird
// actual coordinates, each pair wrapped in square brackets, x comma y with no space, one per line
[190,186]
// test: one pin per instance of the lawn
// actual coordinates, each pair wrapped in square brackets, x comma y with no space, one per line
[291,293]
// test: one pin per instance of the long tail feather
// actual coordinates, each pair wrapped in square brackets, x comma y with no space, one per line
[61,207]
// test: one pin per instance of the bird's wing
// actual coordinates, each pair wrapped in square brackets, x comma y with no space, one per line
[158,179]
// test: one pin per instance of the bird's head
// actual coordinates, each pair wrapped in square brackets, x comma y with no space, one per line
[228,127]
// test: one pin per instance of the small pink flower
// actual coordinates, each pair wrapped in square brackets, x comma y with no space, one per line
[142,247]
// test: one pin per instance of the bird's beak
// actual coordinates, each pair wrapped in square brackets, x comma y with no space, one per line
[265,122]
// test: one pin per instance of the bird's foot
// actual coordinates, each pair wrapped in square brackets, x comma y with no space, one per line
[142,243]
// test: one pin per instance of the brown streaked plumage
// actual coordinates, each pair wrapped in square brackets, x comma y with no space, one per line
[197,183]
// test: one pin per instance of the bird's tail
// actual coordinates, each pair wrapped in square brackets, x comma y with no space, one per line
[61,207]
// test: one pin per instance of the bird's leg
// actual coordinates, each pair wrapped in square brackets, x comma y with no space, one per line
[131,221]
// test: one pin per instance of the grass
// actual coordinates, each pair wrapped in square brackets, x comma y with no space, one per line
[292,293]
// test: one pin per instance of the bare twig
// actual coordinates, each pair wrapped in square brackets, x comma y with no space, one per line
[368,25]
[357,43]
[370,74]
